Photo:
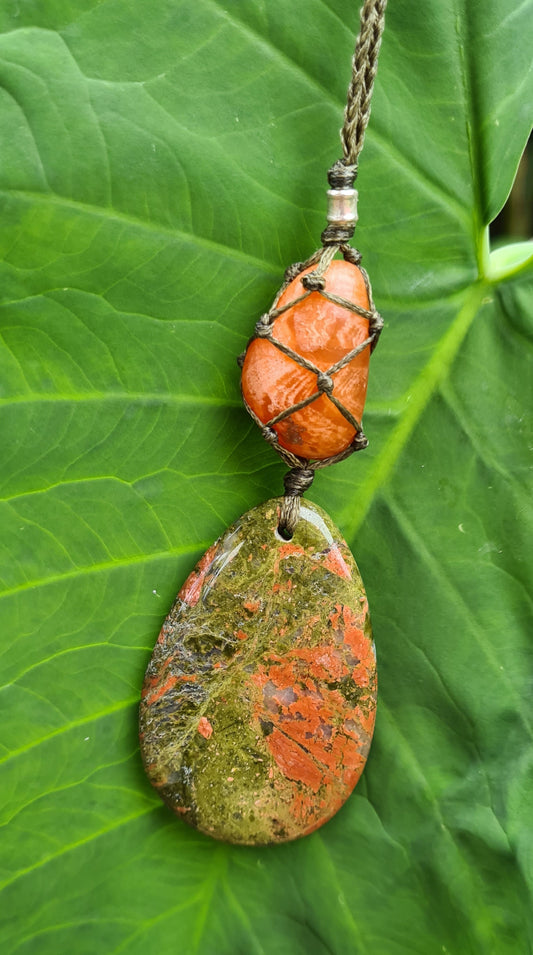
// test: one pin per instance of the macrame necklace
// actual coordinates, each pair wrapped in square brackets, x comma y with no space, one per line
[259,700]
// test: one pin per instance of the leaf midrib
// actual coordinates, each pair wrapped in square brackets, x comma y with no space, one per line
[76,845]
[102,397]
[104,567]
[146,225]
[421,393]
[67,727]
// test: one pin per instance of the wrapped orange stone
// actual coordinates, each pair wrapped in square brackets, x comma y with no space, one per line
[322,332]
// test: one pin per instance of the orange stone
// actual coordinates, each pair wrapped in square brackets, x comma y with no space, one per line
[261,740]
[322,332]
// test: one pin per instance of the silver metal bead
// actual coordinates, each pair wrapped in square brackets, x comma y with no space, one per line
[342,206]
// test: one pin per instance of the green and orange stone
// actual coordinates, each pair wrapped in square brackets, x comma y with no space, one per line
[259,700]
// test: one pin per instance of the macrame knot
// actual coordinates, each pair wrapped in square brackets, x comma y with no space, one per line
[352,255]
[263,328]
[360,442]
[337,234]
[292,271]
[269,434]
[375,327]
[297,481]
[342,175]
[313,282]
[324,383]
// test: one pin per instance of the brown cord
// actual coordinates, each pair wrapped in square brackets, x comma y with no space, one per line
[296,481]
[335,238]
[364,69]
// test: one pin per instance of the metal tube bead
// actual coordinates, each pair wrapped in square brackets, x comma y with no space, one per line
[342,206]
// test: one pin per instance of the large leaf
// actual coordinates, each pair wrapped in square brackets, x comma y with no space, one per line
[162,164]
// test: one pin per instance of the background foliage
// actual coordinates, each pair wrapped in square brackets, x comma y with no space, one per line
[162,164]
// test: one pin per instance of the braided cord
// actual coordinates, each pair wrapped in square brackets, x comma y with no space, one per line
[364,69]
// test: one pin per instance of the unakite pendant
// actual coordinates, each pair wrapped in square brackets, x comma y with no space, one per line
[259,700]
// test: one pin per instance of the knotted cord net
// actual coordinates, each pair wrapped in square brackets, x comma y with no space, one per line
[335,239]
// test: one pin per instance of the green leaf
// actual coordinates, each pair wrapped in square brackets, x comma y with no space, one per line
[162,164]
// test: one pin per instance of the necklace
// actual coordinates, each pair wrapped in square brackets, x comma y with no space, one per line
[259,700]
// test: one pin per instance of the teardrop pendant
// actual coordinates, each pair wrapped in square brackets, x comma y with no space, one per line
[259,700]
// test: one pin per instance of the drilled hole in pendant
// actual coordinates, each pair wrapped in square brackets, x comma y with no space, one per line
[284,532]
